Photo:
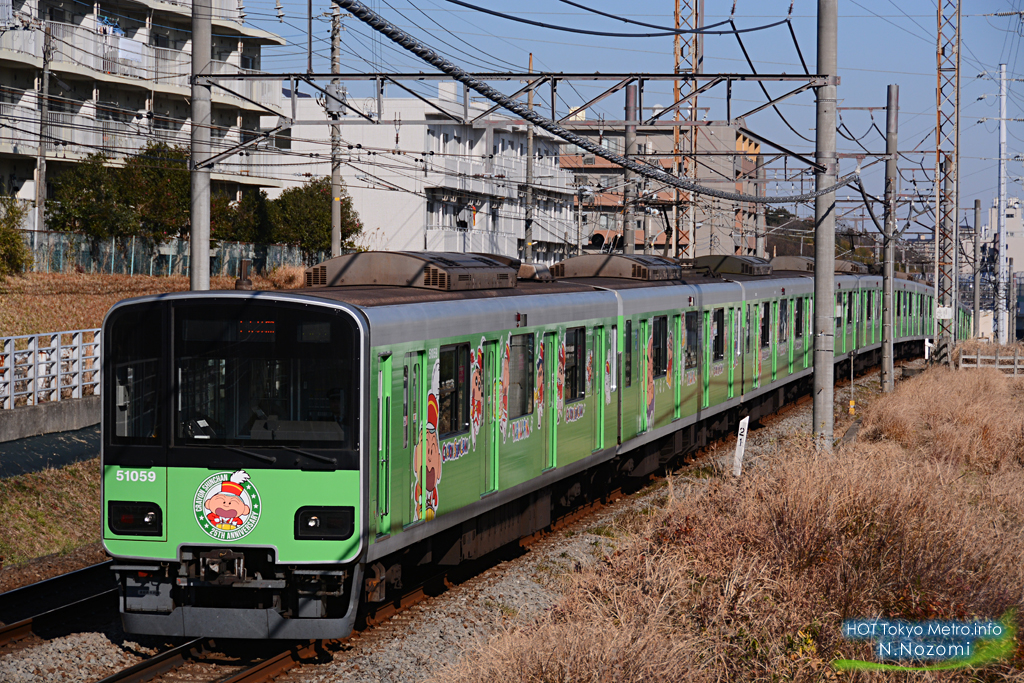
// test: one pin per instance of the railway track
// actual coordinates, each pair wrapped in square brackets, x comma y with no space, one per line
[60,600]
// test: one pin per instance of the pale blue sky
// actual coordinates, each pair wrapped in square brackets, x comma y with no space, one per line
[880,42]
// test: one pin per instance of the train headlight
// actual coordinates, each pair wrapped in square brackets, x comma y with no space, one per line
[325,523]
[134,518]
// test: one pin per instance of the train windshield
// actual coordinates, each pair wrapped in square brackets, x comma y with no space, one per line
[266,375]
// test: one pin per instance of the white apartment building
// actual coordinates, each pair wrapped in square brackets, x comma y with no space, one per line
[1014,230]
[430,182]
[119,78]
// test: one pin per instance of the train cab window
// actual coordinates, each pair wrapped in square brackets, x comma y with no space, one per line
[692,339]
[575,363]
[627,353]
[453,390]
[660,346]
[520,376]
[783,321]
[766,325]
[132,350]
[798,319]
[718,333]
[265,375]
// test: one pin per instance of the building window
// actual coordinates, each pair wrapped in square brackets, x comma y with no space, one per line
[718,333]
[453,392]
[520,376]
[692,339]
[660,344]
[575,363]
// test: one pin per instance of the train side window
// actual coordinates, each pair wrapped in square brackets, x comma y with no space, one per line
[766,324]
[750,324]
[660,343]
[454,390]
[405,406]
[627,353]
[614,365]
[783,321]
[575,363]
[718,333]
[737,328]
[849,307]
[868,312]
[798,318]
[520,376]
[692,339]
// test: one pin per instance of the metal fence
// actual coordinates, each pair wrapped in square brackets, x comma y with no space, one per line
[54,366]
[59,252]
[1007,363]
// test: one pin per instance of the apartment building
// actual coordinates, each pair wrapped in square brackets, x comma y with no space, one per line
[429,182]
[727,161]
[119,78]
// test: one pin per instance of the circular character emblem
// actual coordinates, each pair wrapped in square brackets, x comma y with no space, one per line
[227,505]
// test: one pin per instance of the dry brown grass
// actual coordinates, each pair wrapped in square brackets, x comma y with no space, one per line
[972,417]
[974,346]
[52,511]
[750,580]
[49,302]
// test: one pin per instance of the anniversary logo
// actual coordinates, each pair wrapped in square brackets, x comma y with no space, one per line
[227,505]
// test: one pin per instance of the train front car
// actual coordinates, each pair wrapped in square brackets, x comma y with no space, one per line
[233,501]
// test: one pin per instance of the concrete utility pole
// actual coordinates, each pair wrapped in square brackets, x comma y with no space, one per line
[892,191]
[629,191]
[199,261]
[760,219]
[1002,279]
[528,231]
[336,133]
[825,226]
[44,108]
[977,268]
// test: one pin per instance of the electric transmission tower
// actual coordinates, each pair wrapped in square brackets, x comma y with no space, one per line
[947,164]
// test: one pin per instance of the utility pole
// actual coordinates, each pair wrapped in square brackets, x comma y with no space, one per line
[825,226]
[579,221]
[629,190]
[947,160]
[44,107]
[336,133]
[1002,280]
[528,231]
[760,219]
[199,261]
[892,110]
[977,268]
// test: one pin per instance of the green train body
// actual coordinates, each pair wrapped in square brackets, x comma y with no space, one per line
[271,460]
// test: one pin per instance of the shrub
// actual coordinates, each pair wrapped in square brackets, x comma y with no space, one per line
[14,255]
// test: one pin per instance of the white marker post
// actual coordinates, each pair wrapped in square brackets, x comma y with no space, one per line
[741,445]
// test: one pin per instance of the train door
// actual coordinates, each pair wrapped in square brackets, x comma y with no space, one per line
[383,454]
[732,325]
[412,408]
[641,409]
[675,372]
[489,437]
[705,376]
[551,399]
[599,351]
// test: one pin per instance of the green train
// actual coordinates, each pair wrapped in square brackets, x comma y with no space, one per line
[274,462]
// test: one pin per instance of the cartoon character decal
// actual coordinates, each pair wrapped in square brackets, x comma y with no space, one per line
[560,381]
[427,456]
[608,377]
[590,370]
[538,392]
[227,505]
[476,397]
[506,354]
[650,381]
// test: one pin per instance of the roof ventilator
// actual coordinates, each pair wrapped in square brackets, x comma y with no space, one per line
[626,266]
[424,269]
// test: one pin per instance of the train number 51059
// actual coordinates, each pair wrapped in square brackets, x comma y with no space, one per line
[135,475]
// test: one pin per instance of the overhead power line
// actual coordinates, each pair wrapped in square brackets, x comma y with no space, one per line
[378,23]
[610,34]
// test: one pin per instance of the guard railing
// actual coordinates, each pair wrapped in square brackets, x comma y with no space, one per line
[49,367]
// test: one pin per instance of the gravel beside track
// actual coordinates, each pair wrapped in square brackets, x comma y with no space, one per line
[415,644]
